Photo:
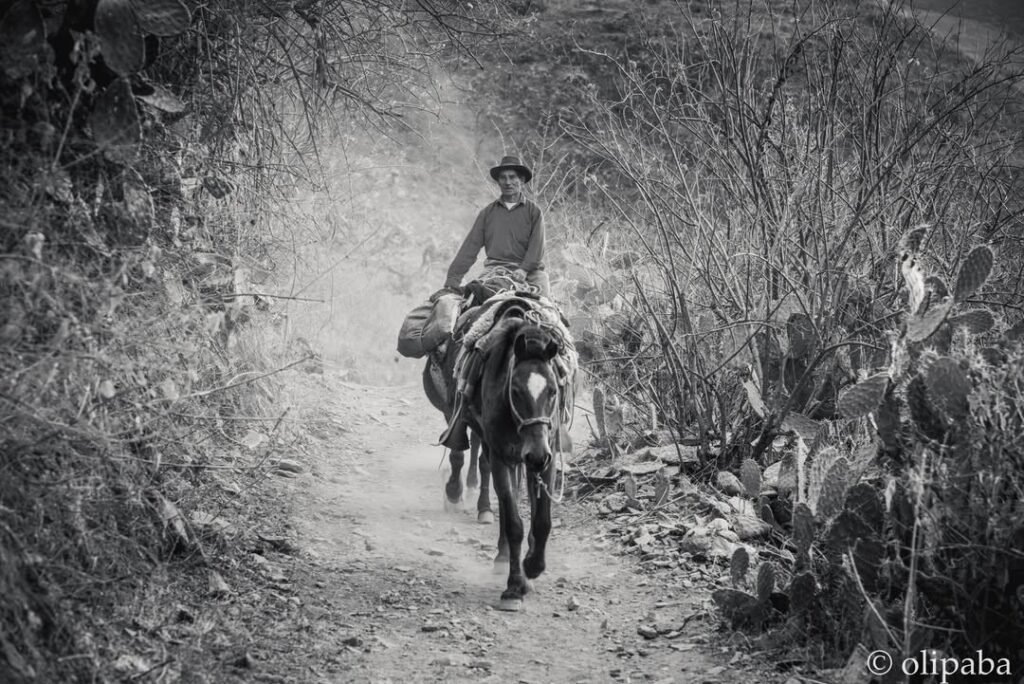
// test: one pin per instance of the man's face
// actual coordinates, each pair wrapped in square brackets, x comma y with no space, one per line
[510,183]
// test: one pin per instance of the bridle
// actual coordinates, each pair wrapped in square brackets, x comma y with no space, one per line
[533,420]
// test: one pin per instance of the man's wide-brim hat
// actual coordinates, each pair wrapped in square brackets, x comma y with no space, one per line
[509,163]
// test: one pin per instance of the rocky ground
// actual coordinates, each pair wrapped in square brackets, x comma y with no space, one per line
[367,578]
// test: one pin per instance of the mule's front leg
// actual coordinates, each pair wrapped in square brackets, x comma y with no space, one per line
[540,521]
[472,481]
[512,531]
[453,487]
[484,515]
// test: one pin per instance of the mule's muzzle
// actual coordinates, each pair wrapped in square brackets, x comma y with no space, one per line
[536,453]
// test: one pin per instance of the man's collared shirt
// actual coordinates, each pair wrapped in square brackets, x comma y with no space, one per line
[510,237]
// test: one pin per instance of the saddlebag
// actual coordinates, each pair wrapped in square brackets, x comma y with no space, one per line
[428,326]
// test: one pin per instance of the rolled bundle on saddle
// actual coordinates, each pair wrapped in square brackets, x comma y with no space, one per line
[428,326]
[487,325]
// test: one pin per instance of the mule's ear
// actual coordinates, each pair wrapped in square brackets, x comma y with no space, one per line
[519,345]
[551,349]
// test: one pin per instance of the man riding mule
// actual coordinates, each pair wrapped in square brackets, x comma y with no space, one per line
[511,232]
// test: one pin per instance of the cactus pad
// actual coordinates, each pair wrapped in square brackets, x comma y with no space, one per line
[911,242]
[803,527]
[114,119]
[737,606]
[924,417]
[598,401]
[922,326]
[833,488]
[765,511]
[739,565]
[937,285]
[976,321]
[844,532]
[993,356]
[161,17]
[863,500]
[973,273]
[887,420]
[805,427]
[802,589]
[754,397]
[765,581]
[120,38]
[1015,331]
[750,476]
[788,476]
[864,397]
[948,387]
[868,554]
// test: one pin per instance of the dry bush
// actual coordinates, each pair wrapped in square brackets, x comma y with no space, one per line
[134,260]
[763,184]
[764,168]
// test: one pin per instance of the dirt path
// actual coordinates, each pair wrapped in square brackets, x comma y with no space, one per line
[394,589]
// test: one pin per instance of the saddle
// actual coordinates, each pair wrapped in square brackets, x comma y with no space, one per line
[481,326]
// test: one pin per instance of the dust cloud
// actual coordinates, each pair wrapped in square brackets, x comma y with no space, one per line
[376,240]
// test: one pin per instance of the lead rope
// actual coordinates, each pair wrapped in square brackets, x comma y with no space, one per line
[553,421]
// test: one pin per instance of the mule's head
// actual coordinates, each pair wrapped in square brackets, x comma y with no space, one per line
[533,393]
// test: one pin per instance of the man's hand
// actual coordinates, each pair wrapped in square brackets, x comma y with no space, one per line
[445,291]
[519,275]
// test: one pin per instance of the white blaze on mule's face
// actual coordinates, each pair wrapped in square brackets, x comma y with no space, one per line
[536,383]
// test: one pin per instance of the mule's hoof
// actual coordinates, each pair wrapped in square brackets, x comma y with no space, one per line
[452,506]
[485,517]
[512,605]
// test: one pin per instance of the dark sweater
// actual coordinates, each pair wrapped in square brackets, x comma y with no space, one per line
[510,237]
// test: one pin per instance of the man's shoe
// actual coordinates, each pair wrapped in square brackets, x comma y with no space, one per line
[456,437]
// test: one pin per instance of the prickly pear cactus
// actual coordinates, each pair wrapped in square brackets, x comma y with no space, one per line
[765,582]
[114,119]
[833,488]
[598,399]
[922,326]
[738,565]
[803,534]
[863,500]
[927,421]
[948,388]
[937,286]
[868,554]
[802,590]
[161,17]
[973,273]
[864,397]
[120,36]
[975,321]
[750,476]
[843,533]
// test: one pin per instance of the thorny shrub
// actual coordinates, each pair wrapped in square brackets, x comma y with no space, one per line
[141,142]
[762,178]
[757,183]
